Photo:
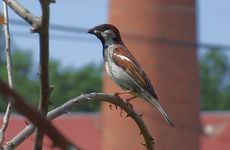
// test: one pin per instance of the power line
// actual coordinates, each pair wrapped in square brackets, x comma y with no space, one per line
[81,30]
[69,29]
[57,37]
[187,44]
[181,43]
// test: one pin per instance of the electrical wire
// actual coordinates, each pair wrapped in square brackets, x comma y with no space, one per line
[80,30]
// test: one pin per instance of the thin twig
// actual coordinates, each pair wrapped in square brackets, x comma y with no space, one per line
[9,72]
[34,21]
[84,99]
[44,69]
[35,117]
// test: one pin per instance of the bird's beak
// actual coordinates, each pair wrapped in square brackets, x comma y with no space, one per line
[93,31]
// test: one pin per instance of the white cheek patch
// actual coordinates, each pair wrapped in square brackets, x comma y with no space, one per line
[108,36]
[108,32]
[103,34]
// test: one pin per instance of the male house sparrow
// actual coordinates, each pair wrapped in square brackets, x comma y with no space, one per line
[123,68]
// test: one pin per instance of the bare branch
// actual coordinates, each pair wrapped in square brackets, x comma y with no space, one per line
[83,99]
[9,71]
[25,14]
[44,68]
[35,117]
[44,58]
[8,47]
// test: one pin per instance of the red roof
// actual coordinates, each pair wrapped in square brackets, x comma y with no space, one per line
[216,126]
[81,129]
[85,130]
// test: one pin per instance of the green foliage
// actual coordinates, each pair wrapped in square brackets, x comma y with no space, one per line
[215,85]
[67,83]
[22,66]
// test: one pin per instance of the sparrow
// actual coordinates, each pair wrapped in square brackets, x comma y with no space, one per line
[124,69]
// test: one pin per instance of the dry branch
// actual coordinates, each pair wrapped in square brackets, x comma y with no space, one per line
[9,73]
[44,68]
[84,99]
[35,117]
[25,14]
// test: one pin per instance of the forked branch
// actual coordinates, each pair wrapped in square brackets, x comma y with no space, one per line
[35,117]
[84,99]
[34,21]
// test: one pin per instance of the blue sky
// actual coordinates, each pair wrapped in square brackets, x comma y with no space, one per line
[214,21]
[213,24]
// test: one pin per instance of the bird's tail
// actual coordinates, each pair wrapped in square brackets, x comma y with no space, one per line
[156,104]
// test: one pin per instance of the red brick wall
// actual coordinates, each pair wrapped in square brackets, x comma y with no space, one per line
[172,69]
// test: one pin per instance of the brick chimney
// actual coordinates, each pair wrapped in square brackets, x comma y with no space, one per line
[149,28]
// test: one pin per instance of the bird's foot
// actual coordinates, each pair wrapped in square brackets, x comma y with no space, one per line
[128,101]
[122,92]
[131,98]
[131,109]
[128,105]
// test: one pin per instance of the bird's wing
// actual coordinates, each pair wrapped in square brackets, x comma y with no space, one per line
[124,59]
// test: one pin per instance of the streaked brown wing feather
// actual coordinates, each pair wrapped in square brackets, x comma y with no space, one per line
[124,59]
